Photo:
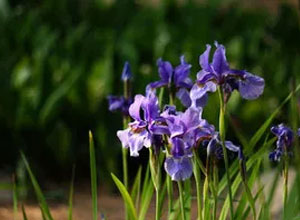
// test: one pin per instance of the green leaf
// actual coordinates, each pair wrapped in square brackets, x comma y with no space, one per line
[24,213]
[41,199]
[93,177]
[136,188]
[146,195]
[70,208]
[126,197]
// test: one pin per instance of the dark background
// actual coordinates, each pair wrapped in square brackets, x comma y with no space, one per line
[59,59]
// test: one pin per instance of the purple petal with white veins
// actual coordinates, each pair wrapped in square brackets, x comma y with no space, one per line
[251,87]
[197,92]
[136,142]
[219,63]
[204,59]
[123,135]
[179,169]
[134,109]
[191,118]
[184,96]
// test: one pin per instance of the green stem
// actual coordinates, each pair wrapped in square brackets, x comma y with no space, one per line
[170,194]
[216,181]
[157,204]
[286,177]
[197,175]
[126,120]
[222,135]
[181,200]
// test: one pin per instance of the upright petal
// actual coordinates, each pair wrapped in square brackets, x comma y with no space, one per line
[219,62]
[251,87]
[191,118]
[150,107]
[204,59]
[135,107]
[179,169]
[181,73]
[177,147]
[165,70]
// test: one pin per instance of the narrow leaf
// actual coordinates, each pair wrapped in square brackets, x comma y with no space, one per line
[93,177]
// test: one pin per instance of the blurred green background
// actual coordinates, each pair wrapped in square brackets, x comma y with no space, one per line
[59,59]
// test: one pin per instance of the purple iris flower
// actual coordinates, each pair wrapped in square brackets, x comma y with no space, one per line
[140,133]
[185,129]
[219,73]
[119,103]
[175,78]
[285,138]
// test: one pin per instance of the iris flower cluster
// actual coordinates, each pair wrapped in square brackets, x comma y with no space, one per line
[285,138]
[178,133]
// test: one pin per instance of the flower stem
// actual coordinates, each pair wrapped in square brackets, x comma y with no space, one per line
[215,184]
[197,176]
[222,135]
[286,177]
[181,200]
[170,195]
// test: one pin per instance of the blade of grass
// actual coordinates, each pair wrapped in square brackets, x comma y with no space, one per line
[93,176]
[70,208]
[126,197]
[41,199]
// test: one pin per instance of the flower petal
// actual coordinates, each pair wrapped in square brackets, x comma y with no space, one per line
[123,135]
[165,70]
[204,59]
[179,169]
[135,107]
[181,72]
[184,96]
[219,62]
[198,92]
[115,102]
[251,87]
[230,146]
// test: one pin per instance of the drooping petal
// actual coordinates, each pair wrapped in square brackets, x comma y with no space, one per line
[204,59]
[123,135]
[115,102]
[219,62]
[158,84]
[135,107]
[230,146]
[137,141]
[179,169]
[184,96]
[165,70]
[251,87]
[198,92]
[276,155]
[126,73]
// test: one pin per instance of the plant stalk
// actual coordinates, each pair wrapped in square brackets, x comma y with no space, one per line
[197,176]
[181,200]
[222,135]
